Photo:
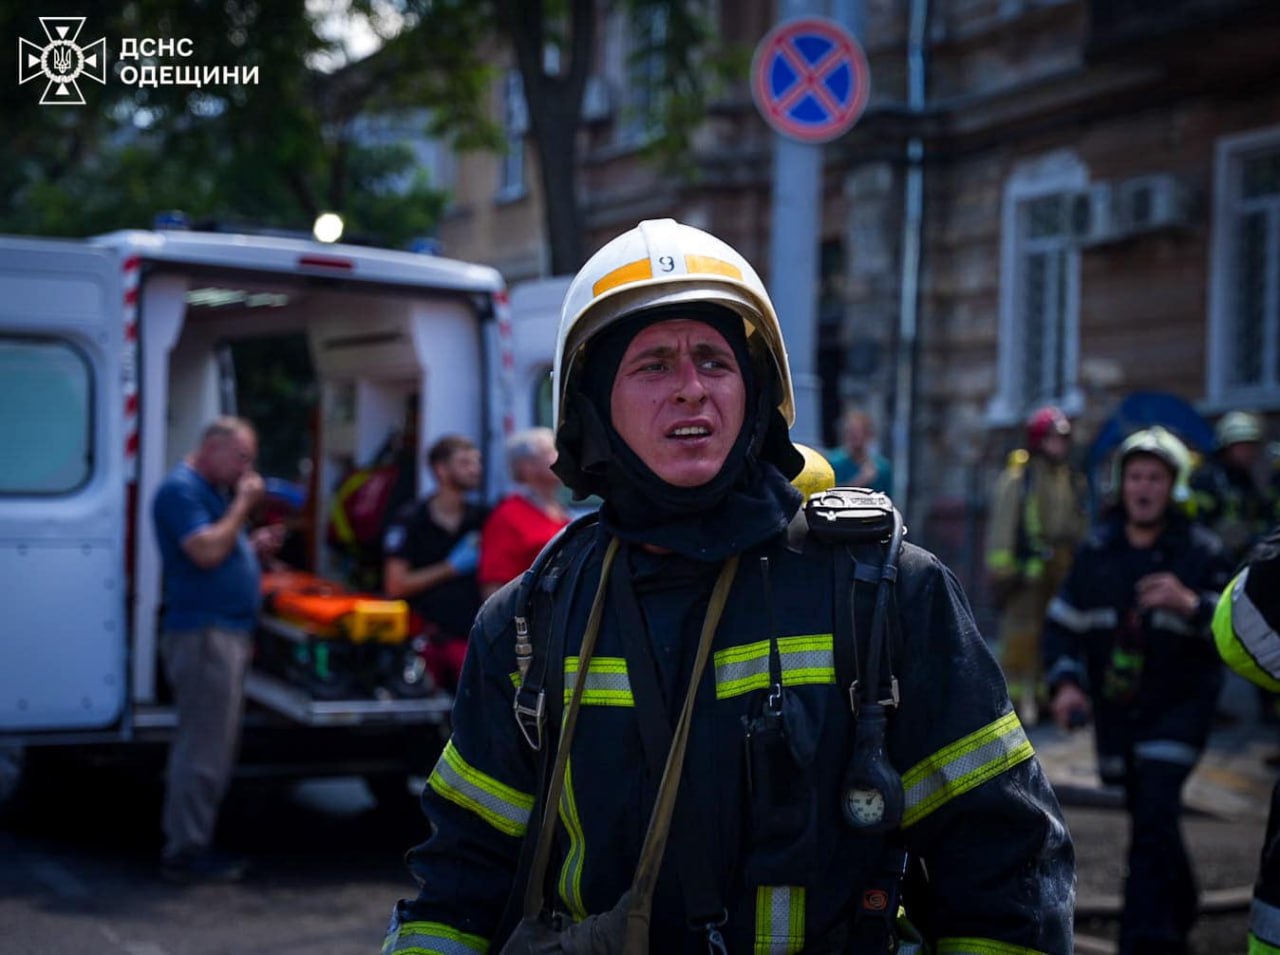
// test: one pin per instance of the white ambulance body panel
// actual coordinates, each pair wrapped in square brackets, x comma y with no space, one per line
[62,503]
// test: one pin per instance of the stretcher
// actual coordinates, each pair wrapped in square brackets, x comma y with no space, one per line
[333,642]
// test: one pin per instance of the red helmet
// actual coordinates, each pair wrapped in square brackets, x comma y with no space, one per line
[1044,422]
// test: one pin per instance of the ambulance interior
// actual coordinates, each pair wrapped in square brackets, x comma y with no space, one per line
[381,359]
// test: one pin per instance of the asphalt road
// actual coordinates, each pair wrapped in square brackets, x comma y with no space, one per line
[78,873]
[78,865]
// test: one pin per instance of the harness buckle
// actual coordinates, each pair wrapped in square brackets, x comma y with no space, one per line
[530,718]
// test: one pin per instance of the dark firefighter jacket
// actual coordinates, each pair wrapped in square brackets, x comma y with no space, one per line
[979,811]
[1153,675]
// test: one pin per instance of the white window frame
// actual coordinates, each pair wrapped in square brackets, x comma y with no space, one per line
[1059,172]
[1229,164]
[515,124]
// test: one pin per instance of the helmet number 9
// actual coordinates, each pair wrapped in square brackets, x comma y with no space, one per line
[667,263]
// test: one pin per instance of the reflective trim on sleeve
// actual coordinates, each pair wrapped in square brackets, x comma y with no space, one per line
[1167,751]
[607,682]
[1066,667]
[502,807]
[1264,923]
[1245,640]
[779,920]
[981,946]
[806,659]
[570,885]
[964,765]
[433,938]
[1173,622]
[1081,621]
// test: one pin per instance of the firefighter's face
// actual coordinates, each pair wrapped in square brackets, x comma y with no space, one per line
[678,400]
[1147,489]
[463,470]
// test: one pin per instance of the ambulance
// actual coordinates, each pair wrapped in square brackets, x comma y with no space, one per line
[114,353]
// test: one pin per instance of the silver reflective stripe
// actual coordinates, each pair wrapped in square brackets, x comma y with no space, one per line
[1253,631]
[1173,622]
[805,659]
[501,806]
[1264,922]
[965,764]
[607,683]
[1167,751]
[779,920]
[1081,621]
[434,937]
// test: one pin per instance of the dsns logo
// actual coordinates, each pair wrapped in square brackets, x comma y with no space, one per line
[62,61]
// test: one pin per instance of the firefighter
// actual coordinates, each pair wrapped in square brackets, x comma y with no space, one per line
[1228,497]
[792,818]
[1245,631]
[1127,642]
[1037,521]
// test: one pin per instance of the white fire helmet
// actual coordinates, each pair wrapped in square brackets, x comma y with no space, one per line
[663,262]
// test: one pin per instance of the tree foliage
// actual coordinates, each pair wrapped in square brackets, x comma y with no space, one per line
[299,142]
[272,154]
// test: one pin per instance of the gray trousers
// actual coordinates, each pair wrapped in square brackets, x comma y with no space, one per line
[206,669]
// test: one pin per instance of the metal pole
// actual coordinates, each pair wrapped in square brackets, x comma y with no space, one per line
[793,252]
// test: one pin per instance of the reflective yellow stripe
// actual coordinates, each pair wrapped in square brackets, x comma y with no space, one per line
[502,807]
[779,919]
[571,871]
[607,682]
[1245,640]
[981,946]
[806,659]
[964,765]
[636,271]
[432,938]
[708,265]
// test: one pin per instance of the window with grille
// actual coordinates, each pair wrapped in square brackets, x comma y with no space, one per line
[1244,321]
[1039,290]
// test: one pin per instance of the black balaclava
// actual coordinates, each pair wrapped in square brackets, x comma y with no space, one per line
[749,500]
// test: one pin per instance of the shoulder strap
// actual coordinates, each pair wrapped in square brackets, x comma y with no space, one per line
[568,547]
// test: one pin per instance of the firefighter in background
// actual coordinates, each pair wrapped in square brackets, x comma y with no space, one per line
[1127,642]
[1245,630]
[1228,497]
[1038,519]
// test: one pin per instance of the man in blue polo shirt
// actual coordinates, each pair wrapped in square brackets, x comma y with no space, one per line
[211,596]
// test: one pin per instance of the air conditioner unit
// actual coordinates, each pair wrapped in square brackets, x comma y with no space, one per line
[1149,203]
[597,101]
[1091,218]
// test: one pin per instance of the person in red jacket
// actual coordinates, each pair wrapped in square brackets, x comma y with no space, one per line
[527,518]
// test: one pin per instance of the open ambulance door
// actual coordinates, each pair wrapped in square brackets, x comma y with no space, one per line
[63,362]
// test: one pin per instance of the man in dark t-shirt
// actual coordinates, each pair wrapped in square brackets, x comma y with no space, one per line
[431,548]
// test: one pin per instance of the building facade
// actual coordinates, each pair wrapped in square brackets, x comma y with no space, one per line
[1100,216]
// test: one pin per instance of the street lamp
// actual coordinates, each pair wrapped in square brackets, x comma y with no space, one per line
[328,227]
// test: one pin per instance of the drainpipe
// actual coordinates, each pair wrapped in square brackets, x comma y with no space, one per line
[913,214]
